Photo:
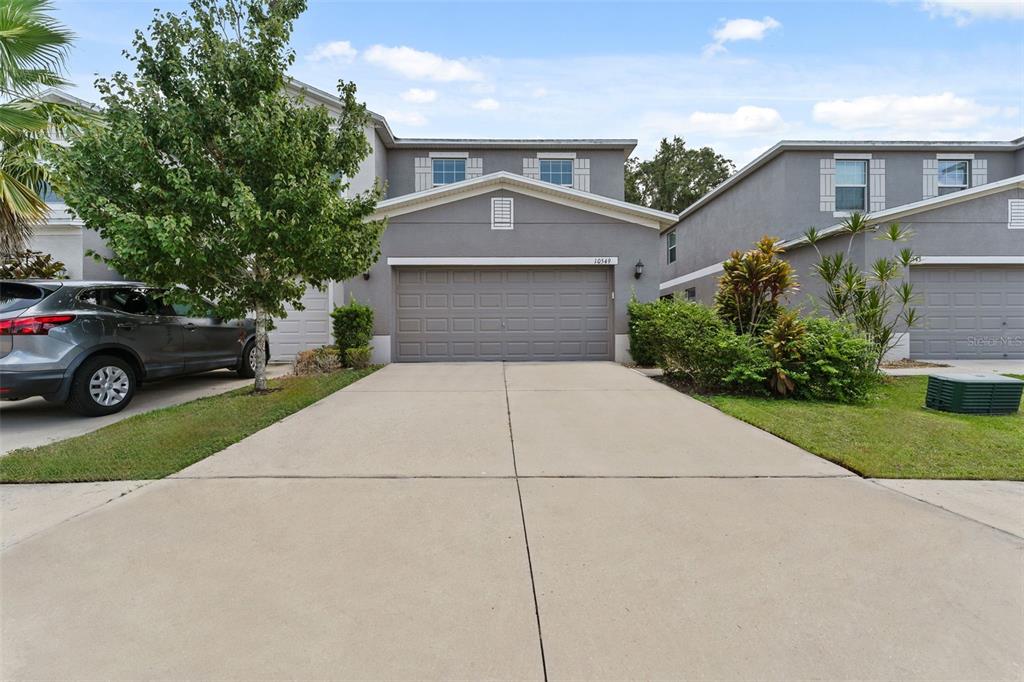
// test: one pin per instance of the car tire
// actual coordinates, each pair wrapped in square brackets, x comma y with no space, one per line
[246,368]
[103,385]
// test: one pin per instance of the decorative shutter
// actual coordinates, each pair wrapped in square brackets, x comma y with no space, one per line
[979,172]
[531,168]
[424,173]
[876,189]
[1015,209]
[930,177]
[501,213]
[474,168]
[827,178]
[581,174]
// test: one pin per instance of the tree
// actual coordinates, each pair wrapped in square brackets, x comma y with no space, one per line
[871,300]
[676,176]
[32,51]
[208,174]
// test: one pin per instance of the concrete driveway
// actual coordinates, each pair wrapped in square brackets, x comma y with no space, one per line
[514,521]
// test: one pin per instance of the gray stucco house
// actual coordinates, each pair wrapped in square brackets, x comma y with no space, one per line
[963,201]
[495,250]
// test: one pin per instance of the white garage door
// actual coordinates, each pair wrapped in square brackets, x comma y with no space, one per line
[969,312]
[302,329]
[526,313]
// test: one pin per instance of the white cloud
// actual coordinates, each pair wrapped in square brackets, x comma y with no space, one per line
[420,65]
[486,104]
[409,118]
[337,51]
[744,121]
[913,113]
[419,96]
[539,92]
[965,11]
[739,29]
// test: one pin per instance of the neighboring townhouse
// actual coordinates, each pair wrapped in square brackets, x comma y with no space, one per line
[495,250]
[963,201]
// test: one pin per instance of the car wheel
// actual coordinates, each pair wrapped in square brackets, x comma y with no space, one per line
[247,363]
[102,385]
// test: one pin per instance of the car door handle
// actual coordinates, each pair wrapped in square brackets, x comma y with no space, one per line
[190,326]
[125,325]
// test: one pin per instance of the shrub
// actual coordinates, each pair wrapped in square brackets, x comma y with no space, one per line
[838,362]
[358,358]
[642,332]
[353,325]
[783,343]
[317,361]
[31,265]
[747,363]
[752,285]
[686,337]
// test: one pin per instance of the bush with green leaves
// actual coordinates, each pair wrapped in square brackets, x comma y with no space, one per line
[358,358]
[31,265]
[642,330]
[838,362]
[353,325]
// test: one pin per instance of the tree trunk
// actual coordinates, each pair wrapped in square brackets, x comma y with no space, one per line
[261,349]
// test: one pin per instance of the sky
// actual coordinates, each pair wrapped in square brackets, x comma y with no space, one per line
[736,76]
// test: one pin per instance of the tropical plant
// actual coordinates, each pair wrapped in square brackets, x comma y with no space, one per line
[33,47]
[878,301]
[31,265]
[208,173]
[676,176]
[783,340]
[753,285]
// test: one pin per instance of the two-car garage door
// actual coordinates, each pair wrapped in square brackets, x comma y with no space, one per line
[507,313]
[968,311]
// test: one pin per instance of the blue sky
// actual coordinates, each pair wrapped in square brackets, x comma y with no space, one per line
[737,76]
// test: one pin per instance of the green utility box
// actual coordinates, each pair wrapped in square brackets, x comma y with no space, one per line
[974,393]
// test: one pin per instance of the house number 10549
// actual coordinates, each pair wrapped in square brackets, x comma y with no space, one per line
[603,261]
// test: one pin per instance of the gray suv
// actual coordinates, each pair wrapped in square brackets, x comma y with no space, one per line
[89,344]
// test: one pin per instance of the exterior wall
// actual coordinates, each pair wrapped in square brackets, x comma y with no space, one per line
[542,229]
[372,167]
[607,175]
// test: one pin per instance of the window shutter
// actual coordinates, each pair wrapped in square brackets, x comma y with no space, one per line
[930,175]
[474,168]
[979,172]
[1015,209]
[531,168]
[501,213]
[876,188]
[581,174]
[424,174]
[827,178]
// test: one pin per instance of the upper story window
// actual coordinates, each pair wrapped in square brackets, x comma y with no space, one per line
[954,176]
[447,171]
[670,248]
[556,171]
[851,185]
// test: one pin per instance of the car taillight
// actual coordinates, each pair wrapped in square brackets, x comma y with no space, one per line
[37,325]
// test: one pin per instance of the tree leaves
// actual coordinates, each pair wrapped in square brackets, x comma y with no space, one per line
[676,176]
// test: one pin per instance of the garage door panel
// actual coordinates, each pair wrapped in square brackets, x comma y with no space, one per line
[969,312]
[552,313]
[302,329]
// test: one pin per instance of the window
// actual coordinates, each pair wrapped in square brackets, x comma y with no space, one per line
[851,185]
[953,176]
[131,300]
[556,171]
[691,294]
[671,247]
[447,171]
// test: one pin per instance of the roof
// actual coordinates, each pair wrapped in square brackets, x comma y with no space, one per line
[391,141]
[850,146]
[586,201]
[898,212]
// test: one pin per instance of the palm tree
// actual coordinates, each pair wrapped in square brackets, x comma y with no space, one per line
[33,48]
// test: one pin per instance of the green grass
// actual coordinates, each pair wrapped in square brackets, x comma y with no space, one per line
[156,444]
[893,435]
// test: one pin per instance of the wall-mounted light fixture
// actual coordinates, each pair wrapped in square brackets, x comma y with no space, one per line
[638,269]
[366,275]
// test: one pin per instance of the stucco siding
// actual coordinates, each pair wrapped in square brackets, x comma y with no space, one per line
[462,229]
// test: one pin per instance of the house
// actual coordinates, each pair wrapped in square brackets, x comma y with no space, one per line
[963,202]
[495,250]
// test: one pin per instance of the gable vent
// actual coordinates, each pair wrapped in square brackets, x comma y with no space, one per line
[501,213]
[1016,210]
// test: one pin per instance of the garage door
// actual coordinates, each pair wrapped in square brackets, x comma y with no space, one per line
[302,329]
[549,313]
[969,312]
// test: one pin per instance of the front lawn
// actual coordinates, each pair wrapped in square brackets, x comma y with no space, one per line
[893,435]
[156,444]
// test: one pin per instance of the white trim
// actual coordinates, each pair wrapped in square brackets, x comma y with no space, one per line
[689,277]
[566,196]
[458,260]
[622,354]
[448,155]
[56,229]
[852,157]
[511,213]
[971,260]
[556,155]
[955,157]
[901,348]
[381,345]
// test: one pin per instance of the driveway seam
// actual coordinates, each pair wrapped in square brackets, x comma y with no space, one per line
[487,477]
[522,515]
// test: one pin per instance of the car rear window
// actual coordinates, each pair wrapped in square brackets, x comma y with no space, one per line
[16,296]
